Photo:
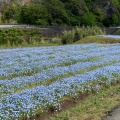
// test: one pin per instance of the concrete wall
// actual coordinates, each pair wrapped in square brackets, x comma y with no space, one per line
[50,31]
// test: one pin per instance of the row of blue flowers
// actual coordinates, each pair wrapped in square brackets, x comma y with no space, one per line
[14,104]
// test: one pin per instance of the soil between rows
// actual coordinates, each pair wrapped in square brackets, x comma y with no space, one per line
[65,104]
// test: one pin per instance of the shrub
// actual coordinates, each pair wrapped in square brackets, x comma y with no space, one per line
[69,37]
[15,36]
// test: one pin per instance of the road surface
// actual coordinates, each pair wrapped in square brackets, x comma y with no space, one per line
[114,114]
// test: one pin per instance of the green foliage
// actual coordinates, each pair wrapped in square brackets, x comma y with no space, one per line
[68,37]
[11,12]
[41,22]
[116,3]
[89,19]
[57,11]
[14,36]
[115,19]
[34,14]
[77,7]
[77,33]
[63,12]
[32,35]
[10,34]
[99,16]
[112,20]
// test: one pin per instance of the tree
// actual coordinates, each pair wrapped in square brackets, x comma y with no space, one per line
[57,11]
[11,12]
[34,14]
[99,16]
[89,19]
[115,19]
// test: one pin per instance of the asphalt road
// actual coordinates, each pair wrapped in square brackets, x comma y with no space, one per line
[114,114]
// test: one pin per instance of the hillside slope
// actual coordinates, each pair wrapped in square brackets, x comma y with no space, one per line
[62,12]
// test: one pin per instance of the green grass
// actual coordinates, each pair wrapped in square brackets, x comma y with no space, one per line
[94,106]
[97,39]
[58,41]
[32,43]
[5,46]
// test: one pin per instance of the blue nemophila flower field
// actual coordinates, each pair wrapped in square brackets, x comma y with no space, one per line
[34,79]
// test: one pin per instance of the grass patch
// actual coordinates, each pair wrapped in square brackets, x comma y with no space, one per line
[24,44]
[94,106]
[97,39]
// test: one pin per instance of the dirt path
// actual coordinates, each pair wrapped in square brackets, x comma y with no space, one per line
[114,114]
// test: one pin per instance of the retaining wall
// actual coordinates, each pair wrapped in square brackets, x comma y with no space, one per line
[50,31]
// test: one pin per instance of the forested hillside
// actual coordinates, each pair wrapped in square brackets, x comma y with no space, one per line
[61,12]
